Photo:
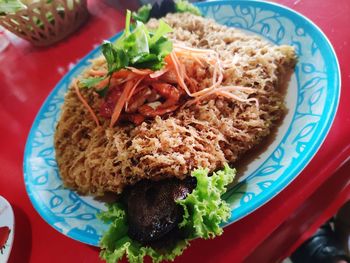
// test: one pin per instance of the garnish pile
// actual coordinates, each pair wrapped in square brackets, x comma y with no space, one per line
[147,75]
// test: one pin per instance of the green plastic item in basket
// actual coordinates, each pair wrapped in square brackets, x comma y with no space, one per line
[43,22]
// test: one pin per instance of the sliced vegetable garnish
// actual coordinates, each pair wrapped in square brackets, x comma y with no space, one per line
[85,103]
[138,48]
[141,60]
[116,58]
[204,210]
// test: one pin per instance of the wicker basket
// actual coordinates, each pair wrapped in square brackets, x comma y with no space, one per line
[44,24]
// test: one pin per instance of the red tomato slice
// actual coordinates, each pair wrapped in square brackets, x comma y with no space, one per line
[4,235]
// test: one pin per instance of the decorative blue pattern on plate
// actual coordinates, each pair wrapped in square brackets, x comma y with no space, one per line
[312,99]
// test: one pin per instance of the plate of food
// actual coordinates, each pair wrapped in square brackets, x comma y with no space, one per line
[187,121]
[7,227]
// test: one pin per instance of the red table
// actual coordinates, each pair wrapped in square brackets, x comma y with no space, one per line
[27,75]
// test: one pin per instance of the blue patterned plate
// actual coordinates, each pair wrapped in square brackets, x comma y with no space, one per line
[312,99]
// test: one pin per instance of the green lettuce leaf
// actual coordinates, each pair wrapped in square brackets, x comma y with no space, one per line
[143,14]
[204,208]
[182,6]
[204,212]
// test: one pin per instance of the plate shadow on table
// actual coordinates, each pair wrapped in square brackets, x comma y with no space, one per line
[22,243]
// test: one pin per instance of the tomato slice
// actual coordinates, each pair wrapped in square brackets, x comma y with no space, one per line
[4,235]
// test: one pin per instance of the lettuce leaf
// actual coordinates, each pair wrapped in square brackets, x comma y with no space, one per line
[204,211]
[146,12]
[182,6]
[116,243]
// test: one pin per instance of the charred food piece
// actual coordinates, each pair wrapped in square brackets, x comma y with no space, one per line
[152,210]
[161,9]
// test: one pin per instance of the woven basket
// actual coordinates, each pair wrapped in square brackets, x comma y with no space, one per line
[44,24]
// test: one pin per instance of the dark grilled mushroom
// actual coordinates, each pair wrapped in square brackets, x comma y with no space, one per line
[151,208]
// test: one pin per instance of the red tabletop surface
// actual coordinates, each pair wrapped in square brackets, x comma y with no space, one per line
[28,74]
